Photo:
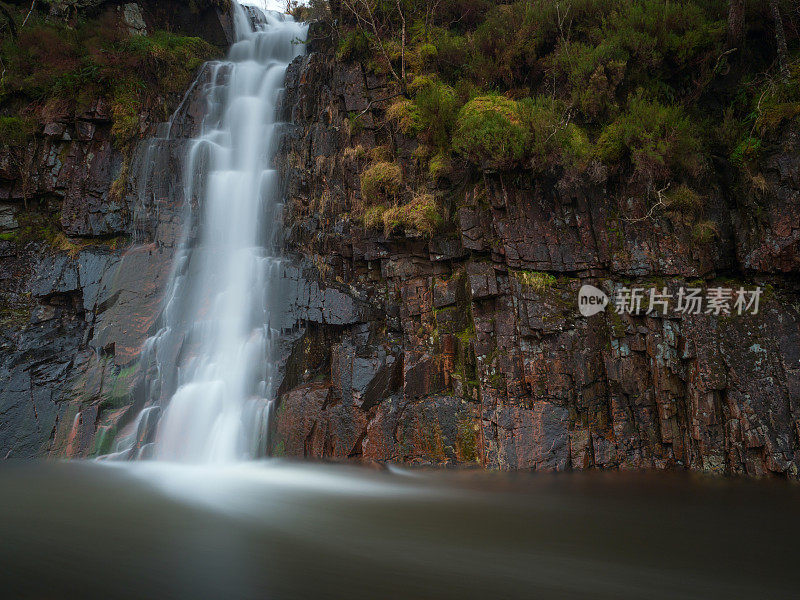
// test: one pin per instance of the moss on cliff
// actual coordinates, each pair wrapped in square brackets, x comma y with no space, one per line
[52,70]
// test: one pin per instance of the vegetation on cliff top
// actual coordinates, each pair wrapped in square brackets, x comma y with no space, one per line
[51,70]
[656,91]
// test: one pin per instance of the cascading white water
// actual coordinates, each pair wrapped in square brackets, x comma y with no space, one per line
[219,300]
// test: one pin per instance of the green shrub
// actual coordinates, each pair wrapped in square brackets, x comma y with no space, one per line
[449,59]
[439,166]
[372,217]
[490,133]
[779,102]
[404,114]
[554,138]
[509,42]
[383,181]
[432,113]
[421,214]
[593,74]
[683,199]
[436,108]
[354,46]
[658,140]
[705,232]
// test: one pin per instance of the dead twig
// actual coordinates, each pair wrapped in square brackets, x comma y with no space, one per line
[658,204]
[371,102]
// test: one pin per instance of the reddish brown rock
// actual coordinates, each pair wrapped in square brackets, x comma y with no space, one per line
[488,342]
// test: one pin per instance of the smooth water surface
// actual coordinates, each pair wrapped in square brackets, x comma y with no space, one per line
[272,529]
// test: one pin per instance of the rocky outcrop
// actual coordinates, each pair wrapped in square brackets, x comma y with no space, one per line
[468,348]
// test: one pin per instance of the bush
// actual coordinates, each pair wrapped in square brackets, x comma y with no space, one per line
[615,48]
[658,141]
[432,113]
[779,102]
[383,181]
[372,217]
[509,42]
[490,133]
[436,108]
[354,46]
[593,74]
[683,199]
[421,214]
[404,114]
[451,56]
[439,166]
[554,138]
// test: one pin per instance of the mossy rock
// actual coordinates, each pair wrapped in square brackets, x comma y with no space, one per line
[490,133]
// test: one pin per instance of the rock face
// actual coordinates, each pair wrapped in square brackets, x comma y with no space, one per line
[76,307]
[468,348]
[464,349]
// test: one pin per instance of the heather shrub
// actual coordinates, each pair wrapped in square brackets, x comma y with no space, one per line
[554,139]
[509,42]
[436,109]
[661,46]
[657,140]
[354,46]
[779,103]
[381,182]
[421,214]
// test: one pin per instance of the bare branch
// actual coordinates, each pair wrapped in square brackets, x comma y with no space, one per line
[371,102]
[658,204]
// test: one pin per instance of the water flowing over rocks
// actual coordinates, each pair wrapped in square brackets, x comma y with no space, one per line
[73,321]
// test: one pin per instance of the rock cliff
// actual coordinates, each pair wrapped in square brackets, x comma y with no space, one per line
[467,348]
[464,347]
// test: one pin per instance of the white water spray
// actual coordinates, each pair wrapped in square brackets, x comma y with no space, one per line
[219,302]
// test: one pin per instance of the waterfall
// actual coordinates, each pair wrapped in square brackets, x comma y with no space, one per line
[214,352]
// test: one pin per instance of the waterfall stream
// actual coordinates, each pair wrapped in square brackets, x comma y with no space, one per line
[220,307]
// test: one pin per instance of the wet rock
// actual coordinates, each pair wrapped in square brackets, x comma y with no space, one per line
[8,218]
[484,325]
[56,274]
[129,301]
